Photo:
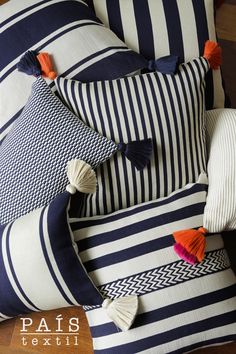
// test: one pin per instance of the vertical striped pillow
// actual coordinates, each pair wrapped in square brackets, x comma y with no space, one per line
[169,109]
[181,306]
[81,47]
[158,27]
[220,211]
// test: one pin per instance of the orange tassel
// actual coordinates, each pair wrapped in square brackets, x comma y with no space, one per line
[190,244]
[46,65]
[213,53]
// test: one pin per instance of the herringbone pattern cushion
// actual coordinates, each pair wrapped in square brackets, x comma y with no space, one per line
[34,155]
[181,306]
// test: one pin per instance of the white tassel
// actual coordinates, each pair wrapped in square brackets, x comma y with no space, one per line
[122,311]
[81,176]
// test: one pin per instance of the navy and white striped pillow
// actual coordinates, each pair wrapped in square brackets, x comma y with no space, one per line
[34,155]
[167,108]
[81,46]
[156,28]
[40,267]
[181,306]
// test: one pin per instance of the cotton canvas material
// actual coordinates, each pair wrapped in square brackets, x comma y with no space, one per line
[34,155]
[40,267]
[181,306]
[167,108]
[81,47]
[157,28]
[220,210]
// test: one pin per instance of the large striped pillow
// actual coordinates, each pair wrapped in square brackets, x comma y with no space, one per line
[81,46]
[181,306]
[158,27]
[168,108]
[40,267]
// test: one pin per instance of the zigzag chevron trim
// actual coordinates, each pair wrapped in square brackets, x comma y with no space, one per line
[165,276]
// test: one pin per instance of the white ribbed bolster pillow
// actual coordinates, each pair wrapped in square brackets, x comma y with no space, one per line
[220,210]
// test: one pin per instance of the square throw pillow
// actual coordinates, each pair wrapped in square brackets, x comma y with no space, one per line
[34,154]
[220,210]
[156,28]
[181,306]
[40,267]
[167,108]
[81,46]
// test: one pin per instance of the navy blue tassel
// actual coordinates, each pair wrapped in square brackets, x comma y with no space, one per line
[29,64]
[165,65]
[138,152]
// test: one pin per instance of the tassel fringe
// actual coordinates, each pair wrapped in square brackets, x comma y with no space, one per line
[213,53]
[81,176]
[165,65]
[138,152]
[46,65]
[29,64]
[122,311]
[190,244]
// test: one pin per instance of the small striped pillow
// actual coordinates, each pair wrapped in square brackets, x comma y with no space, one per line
[156,28]
[167,108]
[81,47]
[181,306]
[40,267]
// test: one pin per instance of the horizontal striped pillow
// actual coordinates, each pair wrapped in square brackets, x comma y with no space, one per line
[181,306]
[81,46]
[167,108]
[34,155]
[220,211]
[156,28]
[40,267]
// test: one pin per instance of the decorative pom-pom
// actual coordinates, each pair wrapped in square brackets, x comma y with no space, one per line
[190,244]
[29,64]
[165,65]
[138,152]
[81,176]
[122,311]
[46,65]
[213,53]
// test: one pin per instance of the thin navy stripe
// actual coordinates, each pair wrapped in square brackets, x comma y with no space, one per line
[14,273]
[47,258]
[168,311]
[114,17]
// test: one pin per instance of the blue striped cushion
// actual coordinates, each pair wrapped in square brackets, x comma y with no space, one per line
[181,306]
[158,27]
[81,46]
[169,109]
[40,267]
[34,155]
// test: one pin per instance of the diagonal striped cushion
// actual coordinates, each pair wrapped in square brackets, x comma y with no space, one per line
[169,109]
[156,28]
[40,267]
[34,155]
[81,46]
[181,306]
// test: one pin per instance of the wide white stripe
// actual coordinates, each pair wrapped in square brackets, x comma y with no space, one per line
[159,28]
[35,287]
[9,273]
[176,294]
[101,11]
[138,264]
[129,24]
